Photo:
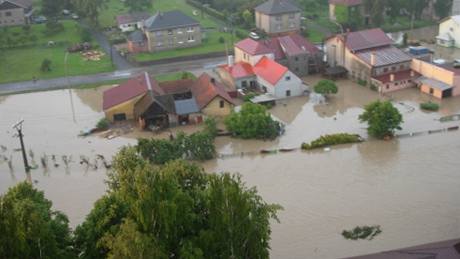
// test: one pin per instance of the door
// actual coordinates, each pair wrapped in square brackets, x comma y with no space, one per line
[288,93]
[447,93]
[119,117]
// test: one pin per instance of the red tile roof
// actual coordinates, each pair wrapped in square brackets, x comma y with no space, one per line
[366,39]
[399,76]
[128,90]
[346,2]
[239,70]
[269,70]
[253,47]
[205,89]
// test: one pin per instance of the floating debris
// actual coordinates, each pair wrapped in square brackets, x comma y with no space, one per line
[44,161]
[53,159]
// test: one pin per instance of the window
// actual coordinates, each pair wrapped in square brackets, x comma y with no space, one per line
[221,104]
[393,68]
[431,91]
[191,38]
[190,29]
[8,14]
[385,70]
[288,93]
[296,58]
[288,78]
[388,86]
[170,32]
[244,84]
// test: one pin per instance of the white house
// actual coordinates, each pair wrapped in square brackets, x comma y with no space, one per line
[449,32]
[267,76]
[131,21]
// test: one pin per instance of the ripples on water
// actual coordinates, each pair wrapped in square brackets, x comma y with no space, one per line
[408,186]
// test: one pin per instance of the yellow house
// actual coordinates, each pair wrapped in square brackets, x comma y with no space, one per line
[119,102]
[211,97]
[438,80]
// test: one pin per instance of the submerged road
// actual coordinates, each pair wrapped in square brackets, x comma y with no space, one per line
[71,81]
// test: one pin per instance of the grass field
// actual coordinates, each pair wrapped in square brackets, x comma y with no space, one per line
[23,63]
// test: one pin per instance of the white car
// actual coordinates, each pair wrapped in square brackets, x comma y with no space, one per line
[254,36]
[75,16]
[65,12]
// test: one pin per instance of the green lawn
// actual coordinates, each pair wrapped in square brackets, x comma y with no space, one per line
[210,44]
[315,36]
[23,63]
[116,7]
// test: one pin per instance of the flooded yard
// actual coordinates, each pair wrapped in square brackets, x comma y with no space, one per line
[409,186]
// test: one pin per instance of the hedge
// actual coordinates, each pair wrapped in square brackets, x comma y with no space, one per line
[331,140]
[429,106]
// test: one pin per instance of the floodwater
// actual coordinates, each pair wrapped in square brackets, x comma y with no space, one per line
[409,186]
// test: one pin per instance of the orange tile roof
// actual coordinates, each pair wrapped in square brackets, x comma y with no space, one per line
[269,70]
[205,89]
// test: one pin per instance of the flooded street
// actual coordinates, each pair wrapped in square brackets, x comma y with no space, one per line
[409,186]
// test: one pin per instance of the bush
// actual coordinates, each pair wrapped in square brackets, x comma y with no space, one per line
[364,232]
[252,122]
[103,124]
[325,87]
[429,106]
[211,127]
[221,40]
[197,146]
[46,65]
[249,96]
[331,140]
[362,82]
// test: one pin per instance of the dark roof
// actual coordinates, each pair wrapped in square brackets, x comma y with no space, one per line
[277,7]
[165,101]
[136,36]
[439,250]
[132,17]
[176,86]
[205,89]
[169,20]
[289,45]
[16,3]
[187,106]
[346,2]
[384,56]
[128,90]
[366,39]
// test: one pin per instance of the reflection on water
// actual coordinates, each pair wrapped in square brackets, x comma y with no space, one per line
[408,186]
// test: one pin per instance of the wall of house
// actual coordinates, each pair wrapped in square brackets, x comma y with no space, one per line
[452,28]
[393,68]
[242,56]
[393,86]
[357,69]
[183,37]
[136,47]
[433,71]
[456,89]
[294,84]
[11,17]
[435,92]
[214,109]
[127,108]
[276,24]
[335,52]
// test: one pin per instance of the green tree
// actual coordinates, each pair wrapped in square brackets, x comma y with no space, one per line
[175,211]
[252,122]
[247,17]
[326,87]
[52,8]
[90,9]
[443,8]
[138,5]
[29,228]
[382,119]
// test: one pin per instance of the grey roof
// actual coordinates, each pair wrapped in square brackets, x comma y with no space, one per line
[384,56]
[188,106]
[277,7]
[136,36]
[169,20]
[433,83]
[22,3]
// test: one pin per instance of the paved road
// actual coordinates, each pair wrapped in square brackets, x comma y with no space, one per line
[195,66]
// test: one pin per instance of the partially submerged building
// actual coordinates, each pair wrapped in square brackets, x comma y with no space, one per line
[371,59]
[438,80]
[166,104]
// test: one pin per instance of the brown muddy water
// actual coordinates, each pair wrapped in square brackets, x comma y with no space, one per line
[409,186]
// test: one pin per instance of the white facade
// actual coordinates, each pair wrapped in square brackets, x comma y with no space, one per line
[449,32]
[289,85]
[127,27]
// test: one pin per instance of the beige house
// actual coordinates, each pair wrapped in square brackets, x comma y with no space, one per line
[278,17]
[15,12]
[449,32]
[171,30]
[438,80]
[371,59]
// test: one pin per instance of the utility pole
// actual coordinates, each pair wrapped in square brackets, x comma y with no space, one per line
[18,128]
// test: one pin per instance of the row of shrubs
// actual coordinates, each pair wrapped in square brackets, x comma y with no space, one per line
[211,11]
[331,140]
[429,106]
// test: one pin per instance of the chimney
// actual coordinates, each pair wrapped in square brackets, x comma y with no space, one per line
[230,61]
[147,79]
[373,59]
[392,77]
